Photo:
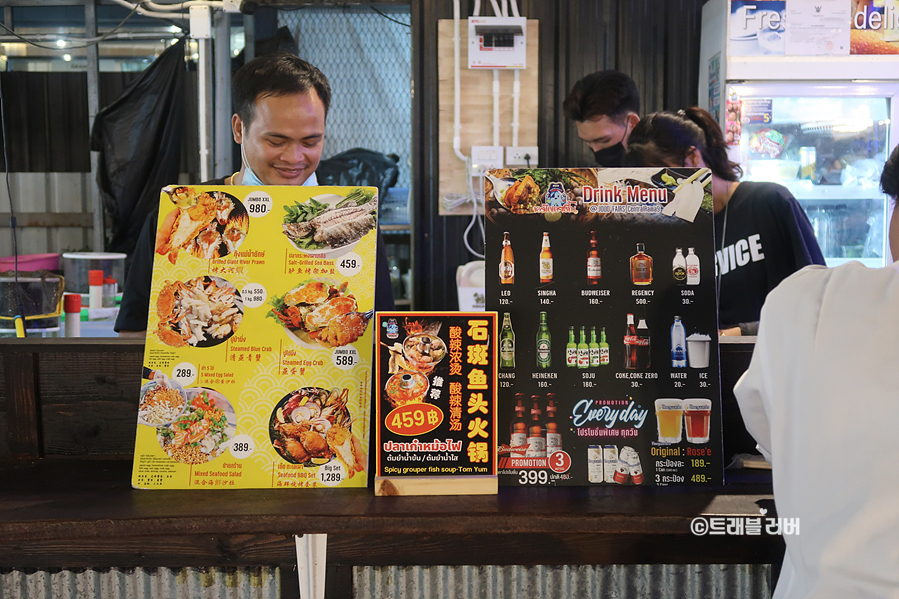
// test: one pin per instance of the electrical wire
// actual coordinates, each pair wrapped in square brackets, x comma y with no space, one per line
[452,201]
[409,25]
[91,41]
[12,216]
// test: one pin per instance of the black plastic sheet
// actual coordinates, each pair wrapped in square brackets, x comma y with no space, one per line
[139,140]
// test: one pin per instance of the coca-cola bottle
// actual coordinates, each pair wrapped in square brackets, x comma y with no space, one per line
[630,344]
[643,357]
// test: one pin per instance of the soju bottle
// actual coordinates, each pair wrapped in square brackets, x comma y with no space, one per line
[594,348]
[603,348]
[583,351]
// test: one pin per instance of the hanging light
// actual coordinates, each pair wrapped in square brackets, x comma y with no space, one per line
[67,57]
[60,43]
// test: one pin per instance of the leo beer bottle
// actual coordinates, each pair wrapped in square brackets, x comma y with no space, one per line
[630,344]
[506,262]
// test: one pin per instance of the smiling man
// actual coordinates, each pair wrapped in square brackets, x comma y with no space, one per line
[280,106]
[605,107]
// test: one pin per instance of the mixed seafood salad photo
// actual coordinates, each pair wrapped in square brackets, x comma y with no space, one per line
[201,433]
[320,313]
[312,426]
[208,224]
[199,312]
[330,221]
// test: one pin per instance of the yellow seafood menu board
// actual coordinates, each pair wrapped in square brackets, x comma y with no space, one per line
[257,368]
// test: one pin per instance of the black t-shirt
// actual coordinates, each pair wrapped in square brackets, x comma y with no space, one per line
[766,238]
[135,308]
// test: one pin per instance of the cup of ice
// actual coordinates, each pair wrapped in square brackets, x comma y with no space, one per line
[698,350]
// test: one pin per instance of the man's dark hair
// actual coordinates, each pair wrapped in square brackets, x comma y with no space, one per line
[610,93]
[277,74]
[889,180]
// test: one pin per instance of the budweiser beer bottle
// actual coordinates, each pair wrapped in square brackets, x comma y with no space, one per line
[553,434]
[536,433]
[519,428]
[630,344]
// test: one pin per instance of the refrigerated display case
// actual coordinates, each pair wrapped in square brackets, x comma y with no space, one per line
[827,144]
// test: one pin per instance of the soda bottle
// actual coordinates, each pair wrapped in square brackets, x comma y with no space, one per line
[678,344]
[544,344]
[594,266]
[583,351]
[519,428]
[692,267]
[507,343]
[643,356]
[603,348]
[506,262]
[546,260]
[630,344]
[594,348]
[679,267]
[553,434]
[536,433]
[571,350]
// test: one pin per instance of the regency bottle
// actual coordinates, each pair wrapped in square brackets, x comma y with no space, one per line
[641,266]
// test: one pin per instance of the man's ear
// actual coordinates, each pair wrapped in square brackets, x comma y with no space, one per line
[632,119]
[237,129]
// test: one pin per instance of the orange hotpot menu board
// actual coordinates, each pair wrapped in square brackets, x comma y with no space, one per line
[257,368]
[436,408]
[604,280]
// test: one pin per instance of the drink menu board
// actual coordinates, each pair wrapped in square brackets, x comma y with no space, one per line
[436,411]
[257,367]
[604,280]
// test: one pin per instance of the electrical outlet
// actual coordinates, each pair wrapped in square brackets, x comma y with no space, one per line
[521,156]
[485,158]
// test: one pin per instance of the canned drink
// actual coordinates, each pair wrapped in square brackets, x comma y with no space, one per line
[808,161]
[610,462]
[594,464]
[635,469]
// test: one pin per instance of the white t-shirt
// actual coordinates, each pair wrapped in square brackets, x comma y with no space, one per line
[821,397]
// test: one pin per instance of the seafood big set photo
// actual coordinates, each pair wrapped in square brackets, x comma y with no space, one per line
[258,362]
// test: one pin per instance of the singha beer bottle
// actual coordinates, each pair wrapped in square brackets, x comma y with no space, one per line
[519,428]
[641,267]
[679,267]
[571,350]
[643,356]
[583,351]
[692,267]
[536,434]
[594,266]
[553,434]
[678,344]
[546,260]
[594,349]
[506,262]
[507,343]
[630,344]
[544,344]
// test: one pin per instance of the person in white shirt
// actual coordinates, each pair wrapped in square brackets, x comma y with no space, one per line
[820,398]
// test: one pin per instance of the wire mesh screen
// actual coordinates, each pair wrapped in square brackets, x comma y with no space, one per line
[367,56]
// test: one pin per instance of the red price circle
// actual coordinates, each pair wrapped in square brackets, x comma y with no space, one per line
[559,461]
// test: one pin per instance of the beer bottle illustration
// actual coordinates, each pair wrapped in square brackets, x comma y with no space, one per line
[544,344]
[583,350]
[519,428]
[553,433]
[594,348]
[571,350]
[678,344]
[692,267]
[536,433]
[546,260]
[594,266]
[603,348]
[679,267]
[506,262]
[507,343]
[630,344]
[641,266]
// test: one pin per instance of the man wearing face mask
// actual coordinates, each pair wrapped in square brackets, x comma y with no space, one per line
[605,107]
[280,103]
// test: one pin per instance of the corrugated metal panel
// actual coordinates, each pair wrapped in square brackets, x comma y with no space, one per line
[187,583]
[563,582]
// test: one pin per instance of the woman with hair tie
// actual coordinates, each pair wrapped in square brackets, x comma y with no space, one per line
[762,234]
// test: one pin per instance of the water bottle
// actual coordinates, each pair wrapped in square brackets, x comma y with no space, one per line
[678,344]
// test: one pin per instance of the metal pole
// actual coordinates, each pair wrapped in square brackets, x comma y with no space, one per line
[98,239]
[203,72]
[222,121]
[249,38]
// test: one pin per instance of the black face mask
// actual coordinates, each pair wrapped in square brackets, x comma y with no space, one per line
[610,157]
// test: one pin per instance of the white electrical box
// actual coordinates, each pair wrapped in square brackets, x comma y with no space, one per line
[485,158]
[200,23]
[497,42]
[521,156]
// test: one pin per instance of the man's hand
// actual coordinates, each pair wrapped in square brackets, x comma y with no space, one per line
[164,234]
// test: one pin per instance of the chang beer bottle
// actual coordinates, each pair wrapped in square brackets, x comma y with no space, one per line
[544,344]
[507,343]
[594,348]
[583,351]
[571,350]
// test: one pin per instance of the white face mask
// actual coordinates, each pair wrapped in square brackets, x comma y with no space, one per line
[249,177]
